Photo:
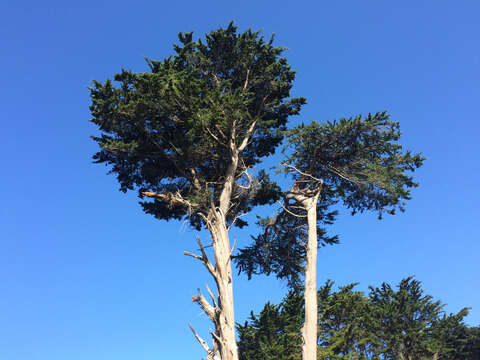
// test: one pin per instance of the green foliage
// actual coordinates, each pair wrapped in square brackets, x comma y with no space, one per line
[280,246]
[387,324]
[345,323]
[358,160]
[408,320]
[275,333]
[173,130]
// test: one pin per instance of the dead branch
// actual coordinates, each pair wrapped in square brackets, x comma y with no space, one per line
[193,255]
[250,131]
[212,296]
[170,198]
[301,172]
[235,219]
[203,258]
[205,305]
[289,212]
[202,342]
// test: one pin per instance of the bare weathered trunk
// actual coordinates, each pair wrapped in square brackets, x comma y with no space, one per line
[225,320]
[220,311]
[309,330]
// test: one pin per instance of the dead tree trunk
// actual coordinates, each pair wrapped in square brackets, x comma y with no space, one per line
[309,331]
[308,201]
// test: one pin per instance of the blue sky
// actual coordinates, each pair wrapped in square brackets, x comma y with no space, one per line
[86,275]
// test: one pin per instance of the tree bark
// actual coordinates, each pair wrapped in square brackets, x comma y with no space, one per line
[221,312]
[309,330]
[225,320]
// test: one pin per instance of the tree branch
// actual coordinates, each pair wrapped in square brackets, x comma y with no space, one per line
[169,198]
[202,342]
[250,131]
[246,80]
[301,172]
[336,171]
[205,305]
[235,219]
[212,296]
[289,212]
[204,259]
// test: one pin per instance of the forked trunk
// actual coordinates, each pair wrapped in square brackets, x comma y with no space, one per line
[309,330]
[221,310]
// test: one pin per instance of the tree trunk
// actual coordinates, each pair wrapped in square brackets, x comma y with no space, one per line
[225,320]
[309,330]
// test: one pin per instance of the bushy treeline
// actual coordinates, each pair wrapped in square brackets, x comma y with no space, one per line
[388,323]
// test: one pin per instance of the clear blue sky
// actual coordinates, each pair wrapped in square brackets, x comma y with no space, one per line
[86,275]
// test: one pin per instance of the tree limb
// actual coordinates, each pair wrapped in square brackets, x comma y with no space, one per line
[204,259]
[169,198]
[202,342]
[205,305]
[212,296]
[301,172]
[246,80]
[250,131]
[289,212]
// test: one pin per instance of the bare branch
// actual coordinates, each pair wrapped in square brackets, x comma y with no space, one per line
[233,247]
[249,177]
[215,137]
[206,260]
[220,131]
[200,340]
[301,172]
[250,131]
[170,198]
[291,213]
[336,171]
[212,296]
[246,80]
[205,305]
[235,219]
[215,336]
[193,255]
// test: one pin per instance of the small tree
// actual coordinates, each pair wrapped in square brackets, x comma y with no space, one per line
[187,133]
[412,326]
[357,161]
[274,334]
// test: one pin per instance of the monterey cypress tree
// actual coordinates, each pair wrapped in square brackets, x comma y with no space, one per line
[186,134]
[386,324]
[356,161]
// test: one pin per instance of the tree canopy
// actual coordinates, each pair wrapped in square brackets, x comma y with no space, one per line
[172,131]
[387,323]
[356,161]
